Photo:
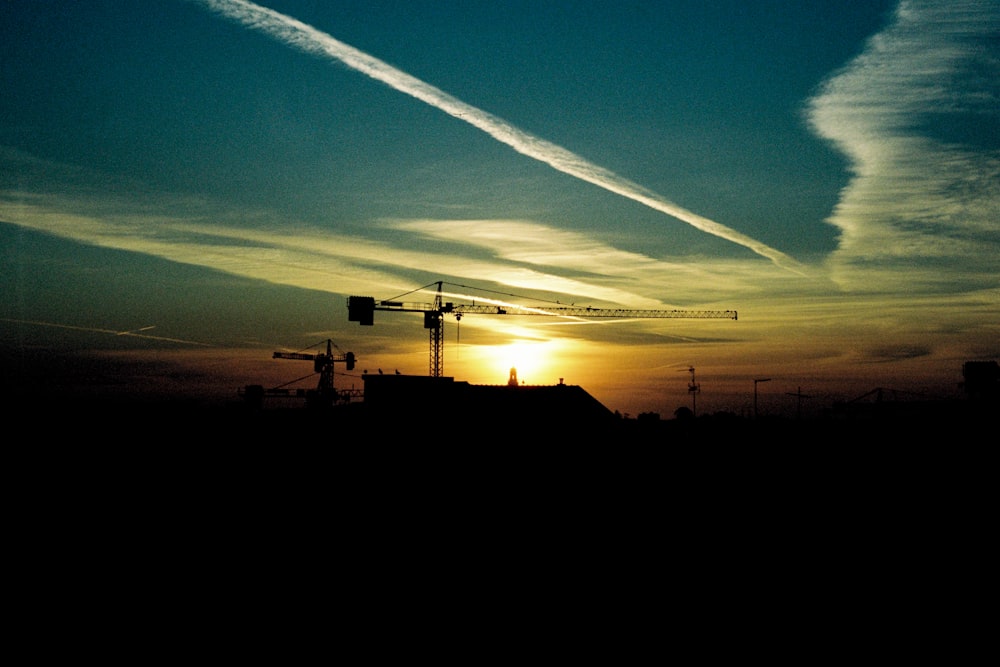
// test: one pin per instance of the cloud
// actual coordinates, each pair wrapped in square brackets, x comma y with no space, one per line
[541,257]
[898,352]
[913,114]
[569,265]
[302,36]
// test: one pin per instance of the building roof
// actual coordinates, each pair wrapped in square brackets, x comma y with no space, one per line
[445,400]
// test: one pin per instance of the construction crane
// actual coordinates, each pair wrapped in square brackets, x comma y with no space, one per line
[362,309]
[323,364]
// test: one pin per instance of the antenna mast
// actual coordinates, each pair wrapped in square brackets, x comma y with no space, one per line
[693,388]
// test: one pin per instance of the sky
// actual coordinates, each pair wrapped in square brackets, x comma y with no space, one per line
[187,186]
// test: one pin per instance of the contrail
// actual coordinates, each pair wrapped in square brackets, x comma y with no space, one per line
[306,38]
[134,333]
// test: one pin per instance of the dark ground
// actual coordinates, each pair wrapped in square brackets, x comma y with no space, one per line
[186,422]
[182,481]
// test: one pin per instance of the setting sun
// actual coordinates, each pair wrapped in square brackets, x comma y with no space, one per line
[536,361]
[533,360]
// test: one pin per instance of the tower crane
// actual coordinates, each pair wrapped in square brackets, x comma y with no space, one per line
[323,364]
[362,309]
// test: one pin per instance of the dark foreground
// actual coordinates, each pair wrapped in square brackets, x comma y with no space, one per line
[311,482]
[184,424]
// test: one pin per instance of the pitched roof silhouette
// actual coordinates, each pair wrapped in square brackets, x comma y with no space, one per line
[447,401]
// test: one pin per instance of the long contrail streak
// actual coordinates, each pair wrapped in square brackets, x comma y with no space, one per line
[306,38]
[133,333]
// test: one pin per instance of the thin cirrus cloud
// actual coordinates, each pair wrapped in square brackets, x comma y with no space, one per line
[911,113]
[599,271]
[316,258]
[310,40]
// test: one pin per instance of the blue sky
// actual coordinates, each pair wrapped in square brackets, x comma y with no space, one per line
[228,173]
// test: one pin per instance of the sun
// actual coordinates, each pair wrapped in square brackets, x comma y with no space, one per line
[538,356]
[533,361]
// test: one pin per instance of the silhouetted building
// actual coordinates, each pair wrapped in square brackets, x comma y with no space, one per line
[981,379]
[424,401]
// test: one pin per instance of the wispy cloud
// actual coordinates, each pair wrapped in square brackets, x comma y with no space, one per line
[909,113]
[307,38]
[541,257]
[566,264]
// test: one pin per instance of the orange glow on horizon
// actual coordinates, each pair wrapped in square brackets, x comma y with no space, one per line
[537,362]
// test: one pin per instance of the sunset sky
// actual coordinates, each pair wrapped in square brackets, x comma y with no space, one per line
[187,186]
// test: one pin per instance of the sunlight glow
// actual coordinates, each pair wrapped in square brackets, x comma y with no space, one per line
[533,360]
[537,361]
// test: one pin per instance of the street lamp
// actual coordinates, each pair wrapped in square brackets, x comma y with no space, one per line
[755,382]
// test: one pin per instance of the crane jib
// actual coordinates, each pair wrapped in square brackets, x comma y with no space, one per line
[361,309]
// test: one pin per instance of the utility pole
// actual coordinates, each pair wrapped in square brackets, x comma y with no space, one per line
[800,396]
[755,382]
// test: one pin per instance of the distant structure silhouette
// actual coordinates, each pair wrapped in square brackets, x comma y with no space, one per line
[408,401]
[798,405]
[981,379]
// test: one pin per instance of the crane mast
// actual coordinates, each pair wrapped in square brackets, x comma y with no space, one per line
[434,322]
[362,309]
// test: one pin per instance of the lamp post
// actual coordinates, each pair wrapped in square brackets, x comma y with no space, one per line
[755,382]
